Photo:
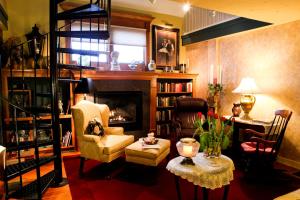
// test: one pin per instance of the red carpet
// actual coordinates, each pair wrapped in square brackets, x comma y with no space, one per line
[136,182]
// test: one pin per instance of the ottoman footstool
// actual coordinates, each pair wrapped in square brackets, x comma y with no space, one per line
[137,153]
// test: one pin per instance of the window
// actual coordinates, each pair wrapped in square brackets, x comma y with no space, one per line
[129,42]
[88,44]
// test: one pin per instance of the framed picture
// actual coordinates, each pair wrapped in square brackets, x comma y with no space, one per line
[20,98]
[165,46]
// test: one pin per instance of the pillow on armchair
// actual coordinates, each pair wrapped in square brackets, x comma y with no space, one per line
[95,127]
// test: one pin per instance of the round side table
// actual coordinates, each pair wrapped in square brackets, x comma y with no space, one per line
[208,173]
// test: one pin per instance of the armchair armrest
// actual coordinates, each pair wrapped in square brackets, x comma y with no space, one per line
[91,138]
[114,130]
[253,132]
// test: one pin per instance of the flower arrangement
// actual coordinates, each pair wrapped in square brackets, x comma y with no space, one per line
[217,136]
[214,90]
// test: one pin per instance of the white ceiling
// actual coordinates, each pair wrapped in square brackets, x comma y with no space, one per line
[274,11]
[160,6]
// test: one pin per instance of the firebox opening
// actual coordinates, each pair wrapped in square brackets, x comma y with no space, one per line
[125,108]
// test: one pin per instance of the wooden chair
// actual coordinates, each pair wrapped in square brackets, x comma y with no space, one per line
[261,149]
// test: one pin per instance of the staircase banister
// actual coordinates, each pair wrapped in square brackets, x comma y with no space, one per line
[15,106]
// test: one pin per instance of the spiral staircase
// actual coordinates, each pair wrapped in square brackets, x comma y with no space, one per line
[54,48]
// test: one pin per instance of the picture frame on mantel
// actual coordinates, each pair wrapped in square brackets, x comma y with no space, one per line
[165,46]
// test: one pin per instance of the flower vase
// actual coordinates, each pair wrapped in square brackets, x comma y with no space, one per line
[213,150]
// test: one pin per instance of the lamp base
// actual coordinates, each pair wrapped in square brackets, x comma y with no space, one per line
[246,117]
[187,161]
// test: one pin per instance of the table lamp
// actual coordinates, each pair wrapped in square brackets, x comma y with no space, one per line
[188,148]
[247,88]
[84,86]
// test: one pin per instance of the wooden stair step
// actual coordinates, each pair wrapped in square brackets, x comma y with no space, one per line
[75,67]
[83,12]
[27,144]
[102,35]
[68,80]
[81,52]
[24,167]
[30,190]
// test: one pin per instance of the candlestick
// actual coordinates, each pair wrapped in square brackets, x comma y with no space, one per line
[220,74]
[211,74]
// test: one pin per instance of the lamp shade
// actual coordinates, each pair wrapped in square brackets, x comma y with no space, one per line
[84,86]
[246,86]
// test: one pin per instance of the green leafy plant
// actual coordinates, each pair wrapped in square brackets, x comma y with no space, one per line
[214,88]
[217,136]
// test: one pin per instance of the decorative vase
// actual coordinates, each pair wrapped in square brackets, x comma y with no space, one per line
[151,65]
[213,150]
[236,109]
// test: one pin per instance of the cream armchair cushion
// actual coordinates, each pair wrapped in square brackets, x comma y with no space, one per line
[105,148]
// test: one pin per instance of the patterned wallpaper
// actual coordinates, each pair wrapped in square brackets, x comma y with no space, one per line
[271,56]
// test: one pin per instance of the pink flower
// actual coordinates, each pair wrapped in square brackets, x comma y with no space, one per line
[199,115]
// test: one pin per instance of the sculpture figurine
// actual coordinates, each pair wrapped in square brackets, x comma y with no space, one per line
[114,65]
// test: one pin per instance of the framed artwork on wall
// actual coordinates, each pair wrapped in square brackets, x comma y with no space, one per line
[21,98]
[165,46]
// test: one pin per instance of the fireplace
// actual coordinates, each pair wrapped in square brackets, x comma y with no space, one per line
[126,108]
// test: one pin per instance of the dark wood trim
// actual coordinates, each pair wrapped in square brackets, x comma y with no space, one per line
[154,47]
[226,28]
[3,17]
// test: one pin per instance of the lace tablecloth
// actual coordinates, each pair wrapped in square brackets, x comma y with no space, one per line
[207,172]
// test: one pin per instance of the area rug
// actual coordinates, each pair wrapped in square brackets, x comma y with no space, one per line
[122,181]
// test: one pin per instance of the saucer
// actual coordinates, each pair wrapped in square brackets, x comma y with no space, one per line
[146,141]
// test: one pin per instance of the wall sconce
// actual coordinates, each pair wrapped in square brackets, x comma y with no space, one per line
[188,148]
[247,88]
[84,86]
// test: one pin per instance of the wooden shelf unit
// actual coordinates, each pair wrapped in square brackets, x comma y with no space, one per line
[40,73]
[169,87]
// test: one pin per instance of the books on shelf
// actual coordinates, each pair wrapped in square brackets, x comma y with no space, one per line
[163,115]
[163,129]
[66,139]
[174,87]
[165,101]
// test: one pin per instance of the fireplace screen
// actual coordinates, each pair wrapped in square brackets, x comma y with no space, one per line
[125,108]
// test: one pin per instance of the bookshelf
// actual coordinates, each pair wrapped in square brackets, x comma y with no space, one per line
[11,84]
[169,87]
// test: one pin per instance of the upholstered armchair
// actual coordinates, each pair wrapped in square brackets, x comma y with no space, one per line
[185,113]
[104,148]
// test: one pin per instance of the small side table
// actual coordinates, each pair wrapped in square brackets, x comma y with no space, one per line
[208,173]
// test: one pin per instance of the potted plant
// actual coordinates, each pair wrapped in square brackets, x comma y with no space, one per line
[217,136]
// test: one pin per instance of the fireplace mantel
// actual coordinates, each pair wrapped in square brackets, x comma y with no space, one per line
[131,75]
[139,75]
